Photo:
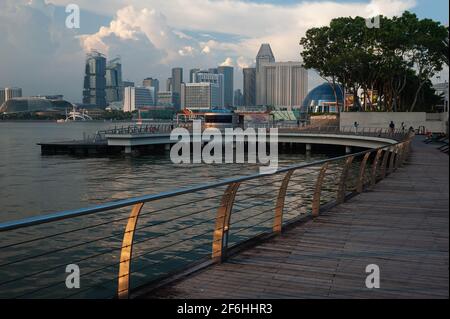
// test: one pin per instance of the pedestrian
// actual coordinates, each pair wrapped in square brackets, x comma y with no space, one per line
[392,126]
[356,124]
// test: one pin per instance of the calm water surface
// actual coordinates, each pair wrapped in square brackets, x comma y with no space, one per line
[31,184]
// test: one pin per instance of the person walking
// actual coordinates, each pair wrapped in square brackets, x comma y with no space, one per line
[355,125]
[392,127]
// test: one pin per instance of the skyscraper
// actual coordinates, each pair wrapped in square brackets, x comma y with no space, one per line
[177,79]
[265,55]
[228,74]
[152,83]
[192,75]
[285,84]
[94,89]
[169,85]
[249,86]
[238,98]
[114,81]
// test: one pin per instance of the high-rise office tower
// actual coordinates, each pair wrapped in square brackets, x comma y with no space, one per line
[94,89]
[217,80]
[213,70]
[249,86]
[265,55]
[238,98]
[114,86]
[152,83]
[192,75]
[169,85]
[177,79]
[285,84]
[228,79]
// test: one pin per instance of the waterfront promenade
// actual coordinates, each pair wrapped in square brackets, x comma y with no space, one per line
[402,225]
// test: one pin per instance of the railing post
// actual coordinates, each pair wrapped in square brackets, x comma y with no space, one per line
[343,181]
[373,179]
[123,287]
[220,239]
[362,170]
[384,164]
[278,220]
[318,190]
[392,159]
[399,158]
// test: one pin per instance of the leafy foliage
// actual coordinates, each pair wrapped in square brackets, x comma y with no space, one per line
[396,60]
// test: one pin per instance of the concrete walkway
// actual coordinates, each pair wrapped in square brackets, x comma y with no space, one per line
[402,226]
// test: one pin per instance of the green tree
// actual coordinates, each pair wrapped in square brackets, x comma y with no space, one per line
[348,53]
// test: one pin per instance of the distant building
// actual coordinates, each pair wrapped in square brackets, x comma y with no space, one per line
[228,79]
[138,97]
[213,70]
[94,89]
[177,79]
[9,93]
[192,75]
[169,85]
[442,90]
[250,86]
[285,84]
[151,82]
[200,96]
[127,84]
[323,99]
[217,81]
[114,86]
[264,56]
[166,98]
[49,97]
[238,98]
[154,83]
[33,104]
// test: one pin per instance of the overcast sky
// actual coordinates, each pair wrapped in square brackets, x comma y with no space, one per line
[39,54]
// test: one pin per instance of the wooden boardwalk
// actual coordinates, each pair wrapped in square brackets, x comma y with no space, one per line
[402,226]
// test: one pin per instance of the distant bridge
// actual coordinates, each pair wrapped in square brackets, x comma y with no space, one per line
[126,139]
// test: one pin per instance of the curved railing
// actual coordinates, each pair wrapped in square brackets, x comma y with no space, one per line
[118,251]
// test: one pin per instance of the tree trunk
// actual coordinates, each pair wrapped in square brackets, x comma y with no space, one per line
[416,96]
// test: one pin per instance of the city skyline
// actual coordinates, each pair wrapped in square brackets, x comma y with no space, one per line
[130,30]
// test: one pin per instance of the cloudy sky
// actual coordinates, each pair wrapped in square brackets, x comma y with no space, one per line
[41,55]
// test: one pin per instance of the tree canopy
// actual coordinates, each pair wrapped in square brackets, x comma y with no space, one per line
[396,59]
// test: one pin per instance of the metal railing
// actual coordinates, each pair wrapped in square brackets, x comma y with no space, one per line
[157,128]
[118,251]
[282,126]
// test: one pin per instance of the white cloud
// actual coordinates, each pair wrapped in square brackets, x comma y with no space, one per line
[281,25]
[228,62]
